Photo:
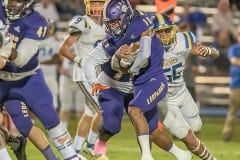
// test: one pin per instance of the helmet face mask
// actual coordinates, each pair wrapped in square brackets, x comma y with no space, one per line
[94,7]
[167,35]
[117,15]
[15,9]
[165,30]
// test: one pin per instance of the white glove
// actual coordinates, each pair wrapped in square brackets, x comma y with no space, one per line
[78,61]
[6,49]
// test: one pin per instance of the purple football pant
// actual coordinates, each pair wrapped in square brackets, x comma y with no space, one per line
[34,92]
[112,103]
[146,97]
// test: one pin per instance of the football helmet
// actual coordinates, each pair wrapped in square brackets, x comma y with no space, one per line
[15,9]
[117,15]
[165,29]
[95,10]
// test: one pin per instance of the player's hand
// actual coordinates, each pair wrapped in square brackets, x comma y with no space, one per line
[201,50]
[123,52]
[97,87]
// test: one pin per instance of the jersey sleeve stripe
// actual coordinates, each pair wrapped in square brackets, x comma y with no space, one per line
[189,41]
[191,37]
[186,40]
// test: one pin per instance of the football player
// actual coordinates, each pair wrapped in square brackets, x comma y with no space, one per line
[182,116]
[21,79]
[85,32]
[114,88]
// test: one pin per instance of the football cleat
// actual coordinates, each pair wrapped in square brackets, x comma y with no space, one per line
[100,157]
[81,157]
[88,150]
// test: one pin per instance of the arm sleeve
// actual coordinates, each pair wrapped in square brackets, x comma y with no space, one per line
[143,55]
[25,51]
[95,58]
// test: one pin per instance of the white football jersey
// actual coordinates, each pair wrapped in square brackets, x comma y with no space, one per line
[91,35]
[47,49]
[174,59]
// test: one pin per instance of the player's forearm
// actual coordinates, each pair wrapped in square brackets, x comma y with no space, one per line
[204,51]
[27,49]
[235,61]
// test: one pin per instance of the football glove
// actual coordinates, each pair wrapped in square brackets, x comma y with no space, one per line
[97,87]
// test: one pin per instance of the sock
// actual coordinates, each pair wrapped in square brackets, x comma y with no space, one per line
[145,146]
[78,142]
[92,137]
[176,151]
[62,141]
[100,147]
[65,123]
[48,153]
[4,154]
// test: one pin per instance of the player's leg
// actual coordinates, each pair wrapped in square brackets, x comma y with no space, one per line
[86,120]
[189,110]
[234,103]
[93,134]
[3,134]
[19,113]
[67,91]
[42,107]
[177,125]
[160,138]
[146,97]
[111,102]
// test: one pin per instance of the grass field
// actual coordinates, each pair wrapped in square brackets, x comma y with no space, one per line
[124,146]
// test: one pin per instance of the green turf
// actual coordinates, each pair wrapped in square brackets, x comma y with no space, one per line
[124,146]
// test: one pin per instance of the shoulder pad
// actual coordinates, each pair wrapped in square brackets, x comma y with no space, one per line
[189,39]
[78,24]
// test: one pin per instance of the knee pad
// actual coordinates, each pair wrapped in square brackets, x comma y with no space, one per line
[195,123]
[19,114]
[176,124]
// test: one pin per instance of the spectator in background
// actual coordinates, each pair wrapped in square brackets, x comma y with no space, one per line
[47,9]
[70,8]
[234,100]
[222,42]
[195,20]
[223,20]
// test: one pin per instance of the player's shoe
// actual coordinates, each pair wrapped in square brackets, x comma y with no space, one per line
[20,151]
[100,157]
[186,156]
[88,150]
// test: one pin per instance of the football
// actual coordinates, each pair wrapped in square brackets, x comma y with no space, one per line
[127,62]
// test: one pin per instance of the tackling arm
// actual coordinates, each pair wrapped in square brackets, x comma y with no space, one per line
[95,58]
[235,61]
[204,51]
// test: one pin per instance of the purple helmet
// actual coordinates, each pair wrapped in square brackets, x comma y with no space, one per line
[15,9]
[117,15]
